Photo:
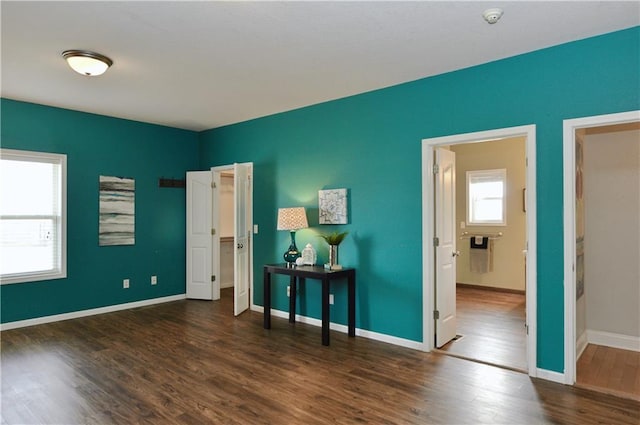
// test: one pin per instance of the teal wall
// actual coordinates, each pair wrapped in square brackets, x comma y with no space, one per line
[96,145]
[371,145]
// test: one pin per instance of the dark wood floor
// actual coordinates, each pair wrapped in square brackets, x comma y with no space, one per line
[491,324]
[610,370]
[192,362]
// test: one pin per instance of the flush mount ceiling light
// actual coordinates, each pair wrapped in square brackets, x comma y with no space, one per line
[492,15]
[87,63]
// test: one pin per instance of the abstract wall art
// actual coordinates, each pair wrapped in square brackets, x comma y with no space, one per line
[333,206]
[117,211]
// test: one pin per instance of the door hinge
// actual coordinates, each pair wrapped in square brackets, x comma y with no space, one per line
[213,278]
[436,168]
[213,185]
[213,232]
[436,241]
[436,314]
[526,327]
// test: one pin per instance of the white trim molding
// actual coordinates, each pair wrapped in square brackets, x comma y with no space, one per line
[569,220]
[407,343]
[91,312]
[428,285]
[581,344]
[550,375]
[610,339]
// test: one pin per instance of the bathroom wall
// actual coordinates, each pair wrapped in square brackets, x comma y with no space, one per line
[508,260]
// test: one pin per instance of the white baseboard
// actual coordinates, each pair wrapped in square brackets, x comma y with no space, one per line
[90,312]
[344,329]
[550,375]
[581,344]
[609,339]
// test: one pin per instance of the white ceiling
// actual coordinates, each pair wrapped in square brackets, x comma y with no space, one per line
[205,64]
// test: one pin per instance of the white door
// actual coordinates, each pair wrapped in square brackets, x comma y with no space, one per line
[241,182]
[199,240]
[215,239]
[445,249]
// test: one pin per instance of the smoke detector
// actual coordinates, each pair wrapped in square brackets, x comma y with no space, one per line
[492,15]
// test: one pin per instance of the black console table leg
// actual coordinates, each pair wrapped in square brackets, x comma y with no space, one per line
[325,312]
[292,299]
[267,300]
[352,304]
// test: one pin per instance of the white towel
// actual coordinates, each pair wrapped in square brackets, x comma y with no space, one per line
[481,260]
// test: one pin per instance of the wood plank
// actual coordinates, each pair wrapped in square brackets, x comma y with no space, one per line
[610,370]
[193,362]
[492,327]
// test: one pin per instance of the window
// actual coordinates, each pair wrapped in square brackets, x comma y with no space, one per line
[486,197]
[32,216]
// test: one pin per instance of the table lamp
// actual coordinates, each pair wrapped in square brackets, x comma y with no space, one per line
[292,219]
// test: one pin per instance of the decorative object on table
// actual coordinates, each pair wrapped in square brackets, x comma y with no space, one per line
[332,206]
[117,211]
[309,256]
[292,219]
[334,240]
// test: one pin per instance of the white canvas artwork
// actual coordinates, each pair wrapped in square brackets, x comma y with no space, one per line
[333,206]
[117,211]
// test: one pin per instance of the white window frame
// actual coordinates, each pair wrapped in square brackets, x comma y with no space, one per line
[61,271]
[496,175]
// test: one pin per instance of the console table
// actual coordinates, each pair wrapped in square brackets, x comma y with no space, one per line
[299,274]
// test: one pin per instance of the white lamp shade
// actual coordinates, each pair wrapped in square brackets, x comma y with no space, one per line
[292,218]
[87,63]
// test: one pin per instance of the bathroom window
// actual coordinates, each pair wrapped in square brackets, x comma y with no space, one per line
[32,216]
[486,203]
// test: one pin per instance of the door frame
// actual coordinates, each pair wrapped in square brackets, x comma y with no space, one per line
[428,214]
[569,233]
[216,173]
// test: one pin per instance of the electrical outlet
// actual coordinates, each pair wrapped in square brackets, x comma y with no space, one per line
[154,280]
[331,299]
[125,283]
[288,291]
[255,229]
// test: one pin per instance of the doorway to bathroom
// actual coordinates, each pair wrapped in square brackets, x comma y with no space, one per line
[480,208]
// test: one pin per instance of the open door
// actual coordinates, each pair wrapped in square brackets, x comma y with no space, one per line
[241,238]
[445,246]
[199,240]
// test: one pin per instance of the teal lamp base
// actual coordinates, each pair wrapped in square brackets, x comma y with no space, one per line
[292,254]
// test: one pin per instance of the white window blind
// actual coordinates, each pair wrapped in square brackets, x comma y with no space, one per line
[32,216]
[486,197]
